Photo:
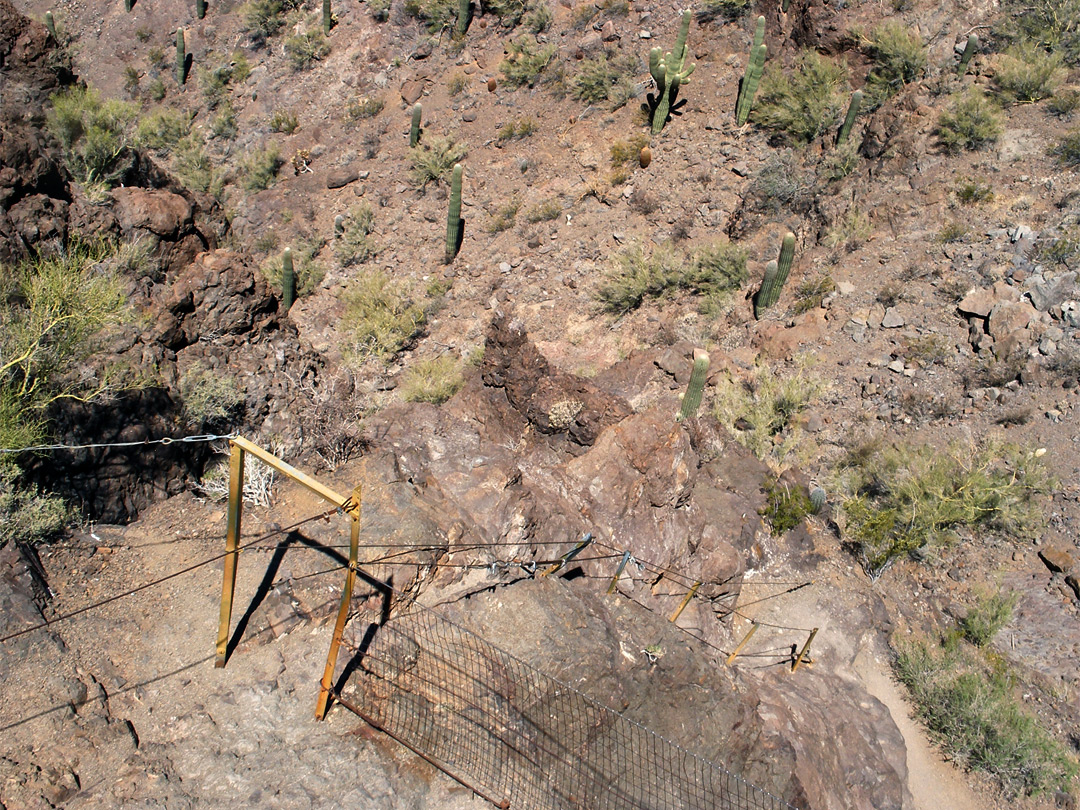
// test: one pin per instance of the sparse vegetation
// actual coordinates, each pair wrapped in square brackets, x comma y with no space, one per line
[355,245]
[544,211]
[967,702]
[990,613]
[1027,73]
[908,500]
[1067,149]
[262,19]
[284,121]
[973,191]
[971,121]
[260,169]
[636,274]
[603,79]
[437,14]
[433,380]
[304,50]
[457,84]
[433,159]
[516,130]
[364,108]
[780,184]
[382,316]
[810,293]
[850,232]
[210,396]
[162,129]
[27,516]
[309,271]
[505,217]
[801,105]
[94,134]
[786,506]
[726,10]
[899,56]
[525,61]
[195,168]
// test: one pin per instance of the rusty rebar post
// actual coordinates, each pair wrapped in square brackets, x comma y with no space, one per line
[327,683]
[232,541]
[685,602]
[802,653]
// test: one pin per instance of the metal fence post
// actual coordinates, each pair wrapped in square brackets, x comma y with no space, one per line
[802,653]
[685,602]
[327,682]
[232,540]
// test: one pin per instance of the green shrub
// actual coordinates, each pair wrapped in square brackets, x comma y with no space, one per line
[968,706]
[434,380]
[433,159]
[262,18]
[214,83]
[94,134]
[162,129]
[525,61]
[27,516]
[761,412]
[841,161]
[355,245]
[636,275]
[457,84]
[602,79]
[156,90]
[800,105]
[364,108]
[972,192]
[260,169]
[504,217]
[195,168]
[971,121]
[224,124]
[382,317]
[304,50]
[810,293]
[786,506]
[899,57]
[1053,25]
[989,614]
[210,397]
[309,271]
[438,14]
[781,184]
[379,9]
[1028,73]
[516,130]
[850,232]
[1067,149]
[1064,102]
[544,211]
[908,500]
[726,10]
[284,121]
[538,17]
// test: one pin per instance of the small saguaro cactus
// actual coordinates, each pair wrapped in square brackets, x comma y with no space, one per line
[669,72]
[965,58]
[327,18]
[339,225]
[776,274]
[50,24]
[288,280]
[464,15]
[849,120]
[200,8]
[752,77]
[181,58]
[691,400]
[454,228]
[414,130]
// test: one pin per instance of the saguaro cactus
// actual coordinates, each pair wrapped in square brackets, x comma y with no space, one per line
[965,58]
[464,15]
[327,18]
[181,58]
[288,280]
[200,8]
[669,72]
[50,24]
[128,4]
[339,225]
[776,274]
[691,400]
[752,77]
[414,131]
[454,230]
[849,120]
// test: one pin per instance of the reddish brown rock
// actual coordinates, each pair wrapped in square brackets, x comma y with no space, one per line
[1057,560]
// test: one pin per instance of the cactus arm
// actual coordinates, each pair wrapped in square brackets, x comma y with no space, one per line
[787,254]
[769,292]
[691,400]
[327,18]
[663,101]
[849,120]
[759,34]
[749,86]
[288,280]
[200,8]
[680,42]
[414,130]
[464,16]
[453,217]
[50,24]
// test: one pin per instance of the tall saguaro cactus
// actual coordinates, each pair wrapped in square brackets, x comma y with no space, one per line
[200,8]
[776,274]
[181,58]
[414,130]
[669,72]
[454,230]
[691,400]
[849,120]
[327,18]
[464,16]
[965,58]
[288,280]
[752,77]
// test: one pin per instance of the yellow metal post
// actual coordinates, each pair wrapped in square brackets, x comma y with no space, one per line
[232,540]
[618,572]
[685,602]
[803,651]
[741,644]
[327,682]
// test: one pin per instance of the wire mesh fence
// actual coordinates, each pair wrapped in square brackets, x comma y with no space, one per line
[522,738]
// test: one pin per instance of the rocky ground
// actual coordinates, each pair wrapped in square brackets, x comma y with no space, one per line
[924,340]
